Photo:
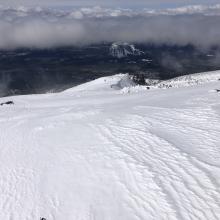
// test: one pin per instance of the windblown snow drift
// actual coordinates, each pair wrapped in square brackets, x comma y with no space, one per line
[96,152]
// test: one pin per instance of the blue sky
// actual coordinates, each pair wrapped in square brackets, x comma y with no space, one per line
[109,3]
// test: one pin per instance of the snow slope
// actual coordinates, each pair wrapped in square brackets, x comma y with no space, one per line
[190,80]
[95,153]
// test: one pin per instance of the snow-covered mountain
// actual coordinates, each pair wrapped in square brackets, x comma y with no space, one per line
[95,153]
[190,80]
[121,50]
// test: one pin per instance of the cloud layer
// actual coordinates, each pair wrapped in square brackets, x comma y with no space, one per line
[109,3]
[43,28]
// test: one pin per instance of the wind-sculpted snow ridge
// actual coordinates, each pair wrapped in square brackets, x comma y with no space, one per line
[92,153]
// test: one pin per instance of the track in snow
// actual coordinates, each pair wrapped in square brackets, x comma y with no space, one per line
[96,154]
[177,179]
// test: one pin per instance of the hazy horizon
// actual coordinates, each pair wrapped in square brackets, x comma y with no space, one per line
[151,4]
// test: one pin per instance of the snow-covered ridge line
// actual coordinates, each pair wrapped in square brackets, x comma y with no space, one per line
[177,82]
[190,80]
[125,84]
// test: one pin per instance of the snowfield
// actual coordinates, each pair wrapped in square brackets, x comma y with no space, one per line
[94,152]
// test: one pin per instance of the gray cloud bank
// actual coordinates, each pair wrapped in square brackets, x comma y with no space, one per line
[44,28]
[109,3]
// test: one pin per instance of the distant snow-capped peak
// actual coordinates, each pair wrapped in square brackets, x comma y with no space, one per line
[121,50]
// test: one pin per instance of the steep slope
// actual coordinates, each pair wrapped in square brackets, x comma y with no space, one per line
[93,153]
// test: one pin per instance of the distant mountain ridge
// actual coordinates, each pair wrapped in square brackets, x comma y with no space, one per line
[121,50]
[31,71]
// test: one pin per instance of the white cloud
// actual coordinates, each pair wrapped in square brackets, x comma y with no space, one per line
[37,27]
[112,3]
[191,9]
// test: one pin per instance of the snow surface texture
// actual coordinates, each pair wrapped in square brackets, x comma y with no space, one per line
[94,153]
